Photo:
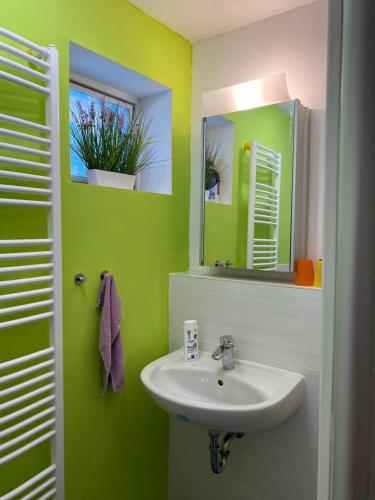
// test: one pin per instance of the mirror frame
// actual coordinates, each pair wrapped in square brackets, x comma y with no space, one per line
[299,202]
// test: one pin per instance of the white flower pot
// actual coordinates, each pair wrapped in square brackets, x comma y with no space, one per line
[212,194]
[111,179]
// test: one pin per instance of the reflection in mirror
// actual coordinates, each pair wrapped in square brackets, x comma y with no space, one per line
[249,188]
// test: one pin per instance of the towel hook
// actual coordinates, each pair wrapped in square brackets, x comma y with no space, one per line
[79,279]
[102,274]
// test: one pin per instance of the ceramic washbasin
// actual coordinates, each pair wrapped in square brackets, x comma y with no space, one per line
[249,398]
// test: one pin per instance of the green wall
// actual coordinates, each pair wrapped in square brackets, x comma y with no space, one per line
[226,225]
[220,233]
[116,446]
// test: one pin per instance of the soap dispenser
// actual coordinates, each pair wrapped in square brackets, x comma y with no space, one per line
[191,340]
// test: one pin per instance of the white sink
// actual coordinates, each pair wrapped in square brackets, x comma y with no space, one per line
[252,397]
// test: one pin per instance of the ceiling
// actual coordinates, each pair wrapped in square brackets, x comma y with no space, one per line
[199,19]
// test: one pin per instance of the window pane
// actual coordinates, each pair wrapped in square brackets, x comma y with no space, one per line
[77,167]
[122,110]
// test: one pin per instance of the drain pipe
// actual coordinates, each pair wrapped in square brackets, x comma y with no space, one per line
[219,453]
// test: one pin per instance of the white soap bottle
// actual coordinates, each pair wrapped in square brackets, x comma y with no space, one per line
[191,340]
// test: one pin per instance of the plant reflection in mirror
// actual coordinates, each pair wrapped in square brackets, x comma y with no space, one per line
[215,162]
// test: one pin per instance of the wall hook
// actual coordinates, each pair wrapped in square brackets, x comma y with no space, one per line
[79,279]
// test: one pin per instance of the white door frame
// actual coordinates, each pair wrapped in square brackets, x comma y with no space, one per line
[347,387]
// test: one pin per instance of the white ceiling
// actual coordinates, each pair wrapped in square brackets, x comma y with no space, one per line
[199,19]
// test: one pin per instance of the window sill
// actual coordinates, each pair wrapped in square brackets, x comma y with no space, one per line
[83,180]
[78,178]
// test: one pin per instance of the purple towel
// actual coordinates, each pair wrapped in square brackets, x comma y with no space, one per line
[110,344]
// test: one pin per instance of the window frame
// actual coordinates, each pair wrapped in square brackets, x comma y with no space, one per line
[100,93]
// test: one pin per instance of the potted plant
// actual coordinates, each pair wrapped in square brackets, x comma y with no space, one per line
[112,153]
[214,163]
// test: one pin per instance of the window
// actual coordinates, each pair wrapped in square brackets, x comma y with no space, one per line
[86,95]
[94,77]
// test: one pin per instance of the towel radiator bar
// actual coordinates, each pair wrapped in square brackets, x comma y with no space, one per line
[264,207]
[31,387]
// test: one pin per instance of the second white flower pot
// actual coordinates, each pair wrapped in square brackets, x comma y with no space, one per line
[212,194]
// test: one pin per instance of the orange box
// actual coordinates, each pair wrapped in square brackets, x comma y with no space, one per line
[304,272]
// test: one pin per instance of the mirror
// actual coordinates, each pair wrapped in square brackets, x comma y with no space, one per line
[254,181]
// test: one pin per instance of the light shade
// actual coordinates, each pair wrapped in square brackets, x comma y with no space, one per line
[247,95]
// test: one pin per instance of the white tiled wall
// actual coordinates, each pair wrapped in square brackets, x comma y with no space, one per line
[279,325]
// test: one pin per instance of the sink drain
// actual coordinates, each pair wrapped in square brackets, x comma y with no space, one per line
[220,382]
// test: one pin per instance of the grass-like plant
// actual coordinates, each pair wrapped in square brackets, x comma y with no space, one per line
[136,154]
[215,162]
[100,141]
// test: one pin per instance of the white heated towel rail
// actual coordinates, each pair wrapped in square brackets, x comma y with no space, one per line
[31,391]
[264,207]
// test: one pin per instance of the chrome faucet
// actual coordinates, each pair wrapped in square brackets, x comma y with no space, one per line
[225,352]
